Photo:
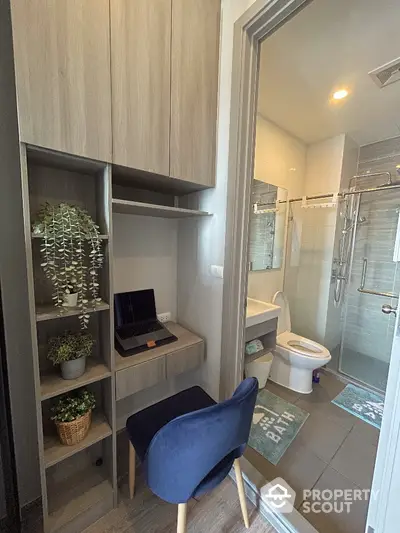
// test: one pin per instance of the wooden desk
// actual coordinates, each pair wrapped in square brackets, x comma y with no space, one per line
[146,369]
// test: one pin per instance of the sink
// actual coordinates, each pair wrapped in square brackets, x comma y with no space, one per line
[258,312]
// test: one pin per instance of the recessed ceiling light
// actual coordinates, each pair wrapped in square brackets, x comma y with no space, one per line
[339,95]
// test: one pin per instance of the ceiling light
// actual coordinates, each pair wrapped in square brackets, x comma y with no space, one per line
[339,95]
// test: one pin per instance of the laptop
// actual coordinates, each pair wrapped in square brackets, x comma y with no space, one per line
[136,326]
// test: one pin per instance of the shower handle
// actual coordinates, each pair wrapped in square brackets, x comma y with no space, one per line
[362,289]
[364,273]
[388,309]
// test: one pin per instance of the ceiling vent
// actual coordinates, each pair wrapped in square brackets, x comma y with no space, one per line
[386,74]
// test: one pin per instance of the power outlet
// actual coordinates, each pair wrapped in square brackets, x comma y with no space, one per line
[164,317]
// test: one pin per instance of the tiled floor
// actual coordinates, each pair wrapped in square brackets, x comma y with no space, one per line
[333,450]
[359,366]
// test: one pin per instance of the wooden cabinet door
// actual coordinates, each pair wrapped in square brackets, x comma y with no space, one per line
[194,88]
[62,62]
[141,96]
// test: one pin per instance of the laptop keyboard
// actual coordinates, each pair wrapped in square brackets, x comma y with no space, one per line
[138,329]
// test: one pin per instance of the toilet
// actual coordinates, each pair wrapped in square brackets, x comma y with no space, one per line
[295,357]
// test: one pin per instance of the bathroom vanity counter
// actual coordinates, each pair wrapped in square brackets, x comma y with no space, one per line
[258,312]
[261,323]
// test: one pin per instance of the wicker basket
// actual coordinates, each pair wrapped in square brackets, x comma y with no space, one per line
[71,433]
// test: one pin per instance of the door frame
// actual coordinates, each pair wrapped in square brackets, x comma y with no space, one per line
[259,21]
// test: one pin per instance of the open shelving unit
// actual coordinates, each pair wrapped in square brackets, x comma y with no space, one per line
[79,483]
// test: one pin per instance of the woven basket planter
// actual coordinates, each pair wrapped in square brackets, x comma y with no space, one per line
[71,433]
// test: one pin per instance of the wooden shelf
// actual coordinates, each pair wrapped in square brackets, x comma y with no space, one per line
[49,312]
[185,339]
[37,236]
[53,384]
[87,493]
[128,207]
[54,451]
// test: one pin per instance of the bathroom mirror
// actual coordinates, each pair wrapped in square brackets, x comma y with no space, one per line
[267,226]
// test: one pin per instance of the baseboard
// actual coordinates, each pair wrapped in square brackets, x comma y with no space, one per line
[283,523]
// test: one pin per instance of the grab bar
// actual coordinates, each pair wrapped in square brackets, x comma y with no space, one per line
[368,291]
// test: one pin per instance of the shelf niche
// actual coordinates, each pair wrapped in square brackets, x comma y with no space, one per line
[54,451]
[80,489]
[148,202]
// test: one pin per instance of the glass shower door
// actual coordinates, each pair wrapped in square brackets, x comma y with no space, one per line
[367,333]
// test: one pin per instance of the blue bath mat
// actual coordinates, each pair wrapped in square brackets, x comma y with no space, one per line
[276,423]
[361,403]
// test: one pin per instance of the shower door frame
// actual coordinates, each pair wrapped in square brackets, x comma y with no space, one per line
[263,17]
[345,302]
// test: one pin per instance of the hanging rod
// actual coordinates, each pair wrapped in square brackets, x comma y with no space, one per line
[346,193]
[313,197]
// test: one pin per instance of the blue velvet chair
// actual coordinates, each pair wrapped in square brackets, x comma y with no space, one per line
[188,443]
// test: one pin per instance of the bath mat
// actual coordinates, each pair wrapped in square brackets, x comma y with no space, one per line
[361,403]
[276,423]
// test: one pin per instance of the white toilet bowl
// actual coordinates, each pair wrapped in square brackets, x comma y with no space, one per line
[295,357]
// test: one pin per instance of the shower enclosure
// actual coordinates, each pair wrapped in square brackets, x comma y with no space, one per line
[342,276]
[368,284]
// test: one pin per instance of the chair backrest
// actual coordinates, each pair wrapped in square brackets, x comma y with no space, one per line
[186,450]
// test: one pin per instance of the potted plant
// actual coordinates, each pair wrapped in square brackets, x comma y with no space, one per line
[71,255]
[72,414]
[70,350]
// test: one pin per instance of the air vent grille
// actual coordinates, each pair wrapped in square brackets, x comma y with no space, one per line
[386,74]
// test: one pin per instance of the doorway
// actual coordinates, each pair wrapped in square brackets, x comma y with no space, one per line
[313,219]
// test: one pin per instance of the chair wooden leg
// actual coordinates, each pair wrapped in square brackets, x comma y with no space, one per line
[132,470]
[242,495]
[182,514]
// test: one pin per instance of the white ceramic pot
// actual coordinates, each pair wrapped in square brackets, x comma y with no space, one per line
[71,300]
[73,369]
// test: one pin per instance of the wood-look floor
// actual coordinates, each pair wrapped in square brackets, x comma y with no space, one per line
[217,512]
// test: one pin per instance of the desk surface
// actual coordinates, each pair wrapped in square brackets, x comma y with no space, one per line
[185,339]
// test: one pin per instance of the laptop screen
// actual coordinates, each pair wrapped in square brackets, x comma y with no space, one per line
[133,307]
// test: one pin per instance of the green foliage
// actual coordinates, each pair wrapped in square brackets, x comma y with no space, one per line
[69,346]
[69,237]
[71,406]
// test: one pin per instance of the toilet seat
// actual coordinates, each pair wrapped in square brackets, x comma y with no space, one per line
[301,345]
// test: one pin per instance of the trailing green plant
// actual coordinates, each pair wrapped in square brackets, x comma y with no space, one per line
[71,252]
[69,346]
[71,406]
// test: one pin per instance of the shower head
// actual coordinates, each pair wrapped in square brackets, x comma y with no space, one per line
[361,220]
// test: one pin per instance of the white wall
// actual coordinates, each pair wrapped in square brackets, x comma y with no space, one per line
[202,243]
[314,235]
[280,159]
[145,257]
[324,166]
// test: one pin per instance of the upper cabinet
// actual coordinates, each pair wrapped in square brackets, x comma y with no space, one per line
[62,64]
[141,83]
[194,88]
[132,82]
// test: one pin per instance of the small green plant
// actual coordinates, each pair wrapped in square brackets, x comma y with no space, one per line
[69,346]
[71,254]
[71,406]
